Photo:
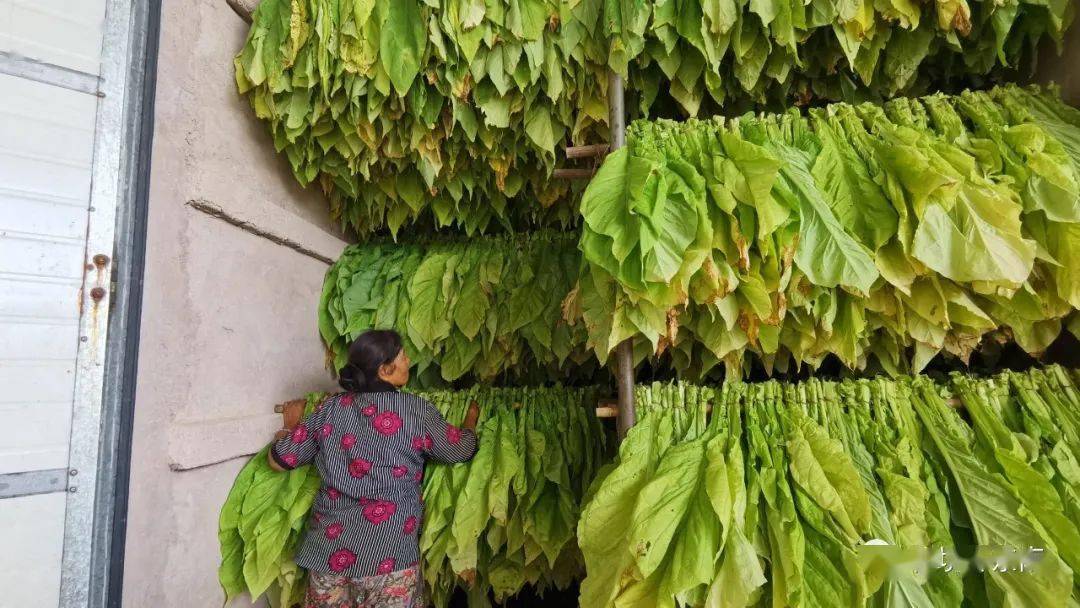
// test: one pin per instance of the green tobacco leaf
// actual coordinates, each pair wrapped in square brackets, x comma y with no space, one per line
[402,36]
[979,238]
[826,253]
[606,518]
[858,202]
[663,504]
[603,205]
[428,321]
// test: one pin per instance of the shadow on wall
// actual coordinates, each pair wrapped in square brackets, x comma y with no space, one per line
[1062,68]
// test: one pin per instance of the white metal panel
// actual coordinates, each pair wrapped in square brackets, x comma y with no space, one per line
[46,153]
[46,143]
[35,341]
[61,32]
[31,545]
[39,406]
[65,136]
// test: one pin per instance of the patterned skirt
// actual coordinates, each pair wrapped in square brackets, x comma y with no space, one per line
[401,589]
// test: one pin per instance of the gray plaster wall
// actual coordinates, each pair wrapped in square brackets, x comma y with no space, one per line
[229,318]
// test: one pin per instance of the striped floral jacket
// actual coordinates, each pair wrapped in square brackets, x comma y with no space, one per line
[370,449]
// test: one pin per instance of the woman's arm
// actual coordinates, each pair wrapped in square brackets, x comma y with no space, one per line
[299,446]
[471,417]
[445,442]
[278,436]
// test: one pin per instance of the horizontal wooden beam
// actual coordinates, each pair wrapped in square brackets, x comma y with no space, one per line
[574,173]
[607,412]
[590,151]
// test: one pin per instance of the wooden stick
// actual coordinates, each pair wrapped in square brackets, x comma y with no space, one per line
[589,151]
[607,411]
[244,8]
[574,173]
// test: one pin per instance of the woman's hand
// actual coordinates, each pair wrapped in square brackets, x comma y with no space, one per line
[472,416]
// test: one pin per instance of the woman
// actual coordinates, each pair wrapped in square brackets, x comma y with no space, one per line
[370,444]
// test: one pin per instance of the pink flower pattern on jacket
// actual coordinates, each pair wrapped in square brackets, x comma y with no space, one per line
[346,400]
[327,430]
[370,410]
[347,441]
[359,468]
[422,443]
[341,560]
[453,434]
[387,423]
[400,472]
[379,511]
[299,434]
[334,530]
[410,524]
[386,566]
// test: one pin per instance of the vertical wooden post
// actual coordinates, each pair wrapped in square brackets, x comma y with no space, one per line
[624,353]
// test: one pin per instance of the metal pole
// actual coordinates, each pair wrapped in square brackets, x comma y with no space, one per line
[624,353]
[616,111]
[624,357]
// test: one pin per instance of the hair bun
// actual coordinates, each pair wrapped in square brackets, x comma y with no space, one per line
[350,378]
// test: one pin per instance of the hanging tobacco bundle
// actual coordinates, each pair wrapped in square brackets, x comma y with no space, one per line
[450,112]
[882,234]
[775,498]
[453,112]
[261,526]
[485,307]
[507,518]
[714,54]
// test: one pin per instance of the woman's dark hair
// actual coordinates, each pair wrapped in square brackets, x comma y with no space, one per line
[371,350]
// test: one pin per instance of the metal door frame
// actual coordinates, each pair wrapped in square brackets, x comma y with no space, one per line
[110,303]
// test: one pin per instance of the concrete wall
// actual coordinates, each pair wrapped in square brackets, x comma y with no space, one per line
[229,318]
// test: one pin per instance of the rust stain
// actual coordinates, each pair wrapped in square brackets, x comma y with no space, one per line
[97,295]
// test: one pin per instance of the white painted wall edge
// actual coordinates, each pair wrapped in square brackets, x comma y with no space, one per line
[201,443]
